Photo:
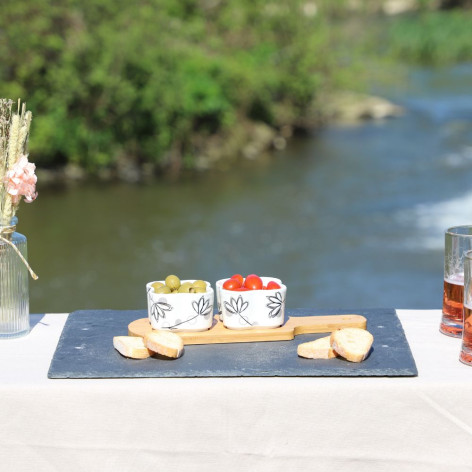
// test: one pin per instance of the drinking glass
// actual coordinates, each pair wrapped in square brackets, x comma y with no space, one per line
[466,351]
[457,241]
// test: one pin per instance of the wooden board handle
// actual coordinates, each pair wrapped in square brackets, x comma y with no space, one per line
[324,324]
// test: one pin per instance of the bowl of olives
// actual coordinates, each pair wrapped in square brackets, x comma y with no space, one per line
[180,305]
[251,302]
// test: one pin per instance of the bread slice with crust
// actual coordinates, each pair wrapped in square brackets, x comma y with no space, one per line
[352,343]
[131,346]
[317,349]
[165,343]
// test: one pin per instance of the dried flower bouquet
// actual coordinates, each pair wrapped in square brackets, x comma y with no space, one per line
[17,175]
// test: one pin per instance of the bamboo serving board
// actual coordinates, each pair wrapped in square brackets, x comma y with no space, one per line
[294,326]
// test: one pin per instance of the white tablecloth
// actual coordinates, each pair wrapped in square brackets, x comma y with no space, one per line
[419,423]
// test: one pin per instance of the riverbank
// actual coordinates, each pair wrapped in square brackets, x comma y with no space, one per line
[247,141]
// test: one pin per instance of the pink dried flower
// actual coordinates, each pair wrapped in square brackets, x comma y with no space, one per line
[20,181]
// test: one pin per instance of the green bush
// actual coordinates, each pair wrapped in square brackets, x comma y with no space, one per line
[111,78]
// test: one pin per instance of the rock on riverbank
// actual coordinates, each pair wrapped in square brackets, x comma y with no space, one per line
[353,108]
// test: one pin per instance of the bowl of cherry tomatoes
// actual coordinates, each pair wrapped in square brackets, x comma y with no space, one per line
[251,302]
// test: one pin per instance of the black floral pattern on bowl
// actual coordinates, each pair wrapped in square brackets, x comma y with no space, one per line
[275,304]
[237,306]
[159,308]
[201,308]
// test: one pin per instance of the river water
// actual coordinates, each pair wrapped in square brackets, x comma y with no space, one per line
[346,217]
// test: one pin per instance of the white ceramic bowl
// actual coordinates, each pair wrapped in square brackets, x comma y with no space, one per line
[253,308]
[180,311]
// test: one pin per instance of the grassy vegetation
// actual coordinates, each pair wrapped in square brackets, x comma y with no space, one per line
[432,37]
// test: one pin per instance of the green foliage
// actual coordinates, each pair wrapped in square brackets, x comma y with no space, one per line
[111,78]
[432,37]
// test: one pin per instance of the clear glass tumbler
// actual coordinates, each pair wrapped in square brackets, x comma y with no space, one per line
[458,240]
[14,294]
[466,351]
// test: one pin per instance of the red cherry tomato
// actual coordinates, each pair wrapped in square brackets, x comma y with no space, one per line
[231,284]
[272,285]
[253,282]
[238,277]
[241,289]
[264,287]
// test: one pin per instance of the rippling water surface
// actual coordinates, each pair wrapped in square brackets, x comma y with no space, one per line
[350,216]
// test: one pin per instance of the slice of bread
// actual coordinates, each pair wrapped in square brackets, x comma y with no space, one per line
[165,343]
[352,343]
[131,346]
[317,349]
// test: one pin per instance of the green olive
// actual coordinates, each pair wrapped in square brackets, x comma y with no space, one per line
[185,287]
[200,290]
[173,282]
[156,285]
[163,289]
[200,283]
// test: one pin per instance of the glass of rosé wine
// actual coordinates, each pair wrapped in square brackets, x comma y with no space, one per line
[466,351]
[458,240]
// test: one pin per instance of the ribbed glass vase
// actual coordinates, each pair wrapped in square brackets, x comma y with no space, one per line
[14,294]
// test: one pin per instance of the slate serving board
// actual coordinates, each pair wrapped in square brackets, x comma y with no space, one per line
[85,350]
